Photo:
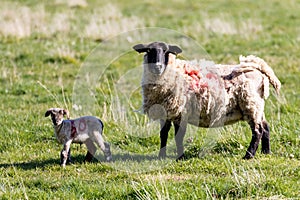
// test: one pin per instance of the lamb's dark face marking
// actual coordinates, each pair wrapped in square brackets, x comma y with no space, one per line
[157,54]
[57,115]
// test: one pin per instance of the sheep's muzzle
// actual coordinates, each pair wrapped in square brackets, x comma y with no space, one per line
[156,68]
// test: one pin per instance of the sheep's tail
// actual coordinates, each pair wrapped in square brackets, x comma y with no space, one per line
[251,62]
[101,124]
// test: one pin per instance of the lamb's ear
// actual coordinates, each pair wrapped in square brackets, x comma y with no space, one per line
[66,112]
[140,48]
[174,49]
[48,112]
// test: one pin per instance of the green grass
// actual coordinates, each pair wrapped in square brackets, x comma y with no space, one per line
[45,47]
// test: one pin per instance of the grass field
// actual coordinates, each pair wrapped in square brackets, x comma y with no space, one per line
[48,47]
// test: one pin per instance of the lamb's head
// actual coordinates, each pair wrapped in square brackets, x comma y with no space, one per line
[57,115]
[156,55]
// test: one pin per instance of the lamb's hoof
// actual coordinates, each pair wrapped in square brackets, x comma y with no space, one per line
[87,160]
[179,158]
[108,155]
[109,158]
[69,162]
[88,157]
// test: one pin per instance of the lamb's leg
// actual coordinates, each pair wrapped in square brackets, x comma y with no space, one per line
[265,140]
[64,153]
[180,129]
[164,131]
[107,152]
[88,157]
[104,146]
[257,132]
[91,150]
[69,160]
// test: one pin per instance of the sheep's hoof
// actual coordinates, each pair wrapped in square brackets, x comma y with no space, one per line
[87,160]
[89,157]
[69,161]
[248,156]
[162,156]
[109,158]
[108,155]
[266,151]
[162,153]
[182,157]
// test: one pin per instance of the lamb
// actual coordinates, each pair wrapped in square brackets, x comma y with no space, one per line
[87,130]
[181,92]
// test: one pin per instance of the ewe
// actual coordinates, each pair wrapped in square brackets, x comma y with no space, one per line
[179,91]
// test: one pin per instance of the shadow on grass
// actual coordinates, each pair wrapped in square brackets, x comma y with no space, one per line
[40,163]
[31,165]
[79,159]
[134,157]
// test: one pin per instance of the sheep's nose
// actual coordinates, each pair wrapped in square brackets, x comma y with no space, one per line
[158,64]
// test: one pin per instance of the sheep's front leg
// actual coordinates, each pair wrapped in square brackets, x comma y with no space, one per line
[257,132]
[164,132]
[64,153]
[180,130]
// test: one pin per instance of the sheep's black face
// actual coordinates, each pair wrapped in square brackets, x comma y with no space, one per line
[157,54]
[156,59]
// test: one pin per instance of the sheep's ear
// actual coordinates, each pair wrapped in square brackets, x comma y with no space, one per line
[66,112]
[48,113]
[174,49]
[140,48]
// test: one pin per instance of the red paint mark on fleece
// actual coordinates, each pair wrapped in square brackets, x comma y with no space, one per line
[73,129]
[195,75]
[198,80]
[82,125]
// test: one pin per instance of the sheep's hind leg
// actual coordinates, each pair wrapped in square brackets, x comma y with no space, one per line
[107,152]
[164,132]
[257,132]
[104,146]
[180,130]
[265,140]
[91,150]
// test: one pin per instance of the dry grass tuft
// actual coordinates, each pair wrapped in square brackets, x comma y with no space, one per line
[73,3]
[60,23]
[218,25]
[108,22]
[225,26]
[244,28]
[21,21]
